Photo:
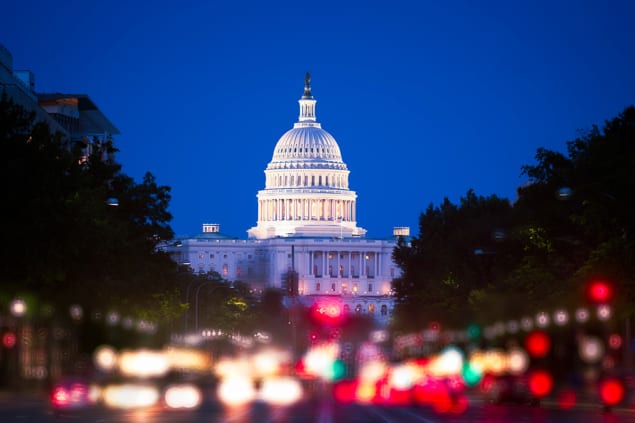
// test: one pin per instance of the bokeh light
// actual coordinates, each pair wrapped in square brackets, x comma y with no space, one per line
[537,344]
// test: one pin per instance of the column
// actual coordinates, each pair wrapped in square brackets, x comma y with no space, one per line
[324,267]
[362,264]
[376,261]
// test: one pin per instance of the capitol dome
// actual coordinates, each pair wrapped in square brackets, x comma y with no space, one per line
[306,188]
[310,144]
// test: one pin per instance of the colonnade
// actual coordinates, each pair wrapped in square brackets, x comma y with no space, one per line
[306,209]
[335,180]
[343,264]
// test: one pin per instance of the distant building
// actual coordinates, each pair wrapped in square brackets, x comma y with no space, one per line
[307,227]
[74,115]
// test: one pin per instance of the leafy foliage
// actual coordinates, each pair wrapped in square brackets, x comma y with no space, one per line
[486,259]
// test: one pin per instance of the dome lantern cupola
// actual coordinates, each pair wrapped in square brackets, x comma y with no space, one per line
[307,103]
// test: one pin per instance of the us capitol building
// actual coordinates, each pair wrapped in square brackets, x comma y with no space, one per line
[307,227]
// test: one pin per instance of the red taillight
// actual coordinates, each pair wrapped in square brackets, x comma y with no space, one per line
[60,396]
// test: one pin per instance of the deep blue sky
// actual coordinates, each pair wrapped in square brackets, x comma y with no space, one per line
[426,99]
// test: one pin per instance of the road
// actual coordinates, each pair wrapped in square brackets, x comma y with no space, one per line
[322,411]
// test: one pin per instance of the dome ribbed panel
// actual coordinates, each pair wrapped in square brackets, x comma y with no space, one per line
[310,143]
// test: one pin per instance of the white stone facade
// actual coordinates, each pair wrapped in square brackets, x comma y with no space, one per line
[307,223]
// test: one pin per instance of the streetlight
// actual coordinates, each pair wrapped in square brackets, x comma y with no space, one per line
[198,289]
[18,310]
[18,307]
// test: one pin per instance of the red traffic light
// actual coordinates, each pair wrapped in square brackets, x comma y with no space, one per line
[599,292]
[328,313]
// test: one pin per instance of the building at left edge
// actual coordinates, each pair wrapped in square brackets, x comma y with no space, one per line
[74,115]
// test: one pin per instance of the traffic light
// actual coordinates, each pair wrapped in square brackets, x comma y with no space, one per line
[599,292]
[290,283]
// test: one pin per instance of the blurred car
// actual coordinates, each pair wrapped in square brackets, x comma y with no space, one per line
[508,388]
[73,393]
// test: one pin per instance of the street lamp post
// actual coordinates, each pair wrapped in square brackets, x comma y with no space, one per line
[18,310]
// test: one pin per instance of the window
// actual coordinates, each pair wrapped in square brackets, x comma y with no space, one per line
[371,308]
[201,256]
[317,286]
[211,256]
[238,271]
[333,287]
[347,308]
[224,255]
[370,287]
[358,308]
[331,270]
[315,270]
[384,310]
[225,269]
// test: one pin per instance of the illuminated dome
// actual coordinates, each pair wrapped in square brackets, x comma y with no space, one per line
[306,189]
[309,145]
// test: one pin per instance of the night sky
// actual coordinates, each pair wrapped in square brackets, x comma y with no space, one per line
[426,99]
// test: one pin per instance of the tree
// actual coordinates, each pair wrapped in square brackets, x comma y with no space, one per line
[62,241]
[572,223]
[454,256]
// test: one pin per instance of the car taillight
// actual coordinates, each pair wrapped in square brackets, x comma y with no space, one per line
[60,396]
